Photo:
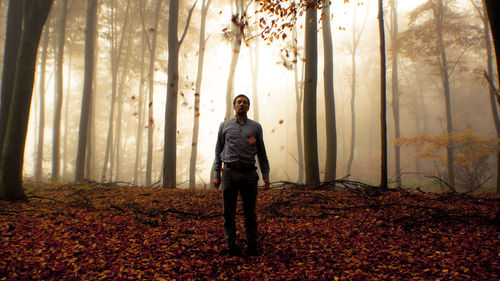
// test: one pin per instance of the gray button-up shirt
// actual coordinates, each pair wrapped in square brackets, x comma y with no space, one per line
[240,143]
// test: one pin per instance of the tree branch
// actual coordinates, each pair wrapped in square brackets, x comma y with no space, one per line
[187,22]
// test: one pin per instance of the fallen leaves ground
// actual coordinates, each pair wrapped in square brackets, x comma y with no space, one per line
[117,233]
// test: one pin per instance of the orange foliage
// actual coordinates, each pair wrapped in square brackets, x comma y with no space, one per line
[469,146]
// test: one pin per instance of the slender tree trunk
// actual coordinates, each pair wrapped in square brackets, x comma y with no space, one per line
[170,150]
[12,38]
[66,110]
[61,32]
[87,88]
[383,102]
[310,88]
[196,117]
[395,91]
[493,8]
[90,153]
[116,46]
[331,123]
[41,112]
[121,93]
[140,116]
[149,160]
[11,164]
[254,68]
[355,43]
[443,64]
[299,95]
[237,26]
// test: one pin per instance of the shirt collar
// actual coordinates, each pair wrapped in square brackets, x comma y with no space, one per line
[236,120]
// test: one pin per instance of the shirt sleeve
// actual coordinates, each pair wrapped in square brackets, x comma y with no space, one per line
[218,151]
[262,156]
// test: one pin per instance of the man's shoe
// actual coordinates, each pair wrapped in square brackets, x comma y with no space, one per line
[252,252]
[234,251]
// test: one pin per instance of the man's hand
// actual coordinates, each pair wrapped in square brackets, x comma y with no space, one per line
[216,182]
[266,184]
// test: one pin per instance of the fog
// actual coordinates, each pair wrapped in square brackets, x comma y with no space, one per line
[422,104]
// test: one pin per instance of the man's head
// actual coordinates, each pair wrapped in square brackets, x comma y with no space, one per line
[241,104]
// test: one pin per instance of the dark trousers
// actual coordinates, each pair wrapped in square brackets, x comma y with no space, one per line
[245,183]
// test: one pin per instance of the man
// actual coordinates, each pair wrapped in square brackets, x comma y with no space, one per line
[238,142]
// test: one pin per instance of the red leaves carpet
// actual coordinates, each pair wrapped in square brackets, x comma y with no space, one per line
[106,233]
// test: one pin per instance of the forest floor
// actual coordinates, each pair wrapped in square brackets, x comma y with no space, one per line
[92,232]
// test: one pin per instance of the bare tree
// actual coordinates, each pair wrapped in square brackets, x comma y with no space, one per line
[61,31]
[201,55]
[116,48]
[12,38]
[41,113]
[354,48]
[383,99]
[395,88]
[331,123]
[238,25]
[174,43]
[151,72]
[87,88]
[11,165]
[310,92]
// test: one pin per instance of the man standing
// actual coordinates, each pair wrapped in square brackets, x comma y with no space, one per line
[238,142]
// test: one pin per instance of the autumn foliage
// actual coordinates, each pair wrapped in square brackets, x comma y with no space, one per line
[116,233]
[471,153]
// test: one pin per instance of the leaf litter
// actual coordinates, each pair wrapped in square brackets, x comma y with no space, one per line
[126,233]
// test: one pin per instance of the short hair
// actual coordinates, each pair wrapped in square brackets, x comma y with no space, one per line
[239,96]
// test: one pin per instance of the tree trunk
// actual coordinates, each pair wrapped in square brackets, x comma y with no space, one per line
[493,7]
[395,91]
[196,117]
[299,95]
[140,116]
[12,38]
[331,126]
[254,68]
[310,87]
[383,102]
[236,26]
[493,103]
[66,111]
[149,160]
[170,149]
[41,117]
[355,43]
[61,31]
[115,55]
[443,64]
[87,88]
[11,165]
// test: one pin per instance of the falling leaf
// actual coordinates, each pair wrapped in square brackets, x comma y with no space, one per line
[281,121]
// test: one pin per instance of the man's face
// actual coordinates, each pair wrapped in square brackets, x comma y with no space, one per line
[241,105]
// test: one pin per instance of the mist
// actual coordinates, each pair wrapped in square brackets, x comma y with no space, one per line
[421,101]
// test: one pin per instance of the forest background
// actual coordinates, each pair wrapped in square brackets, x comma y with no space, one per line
[127,135]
